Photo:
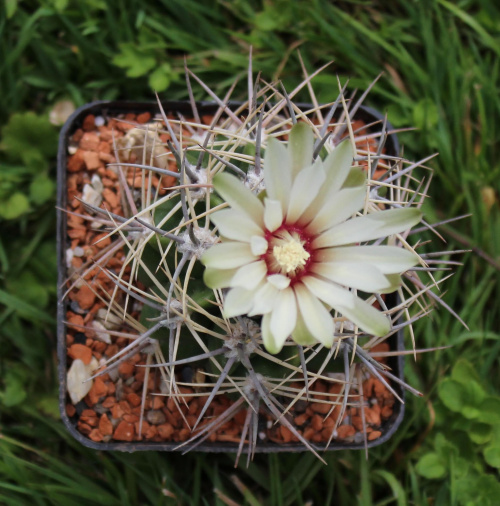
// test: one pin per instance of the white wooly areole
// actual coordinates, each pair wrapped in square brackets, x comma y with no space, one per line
[293,255]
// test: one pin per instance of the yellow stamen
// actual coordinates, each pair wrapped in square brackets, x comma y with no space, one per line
[291,255]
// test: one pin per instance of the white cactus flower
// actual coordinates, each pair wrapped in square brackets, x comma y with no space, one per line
[293,257]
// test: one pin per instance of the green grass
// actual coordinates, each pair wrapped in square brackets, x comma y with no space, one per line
[442,73]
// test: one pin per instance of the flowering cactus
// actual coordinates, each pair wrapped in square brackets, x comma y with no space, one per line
[252,264]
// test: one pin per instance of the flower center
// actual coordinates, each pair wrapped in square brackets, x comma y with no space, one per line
[290,254]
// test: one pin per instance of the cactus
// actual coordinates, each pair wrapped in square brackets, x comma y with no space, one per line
[263,270]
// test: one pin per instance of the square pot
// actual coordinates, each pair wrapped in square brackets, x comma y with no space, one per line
[112,110]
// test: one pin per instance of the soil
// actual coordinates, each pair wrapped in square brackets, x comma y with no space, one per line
[111,410]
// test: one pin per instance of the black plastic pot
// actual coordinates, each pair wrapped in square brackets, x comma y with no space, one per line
[112,110]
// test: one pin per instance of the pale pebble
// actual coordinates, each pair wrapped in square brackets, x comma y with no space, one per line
[155,417]
[69,257]
[97,183]
[91,196]
[101,332]
[359,437]
[109,320]
[78,379]
[114,373]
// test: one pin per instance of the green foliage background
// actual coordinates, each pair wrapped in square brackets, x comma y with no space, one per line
[441,74]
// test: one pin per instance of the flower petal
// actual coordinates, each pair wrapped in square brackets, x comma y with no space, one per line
[228,255]
[355,177]
[394,281]
[367,228]
[273,214]
[283,316]
[367,318]
[388,259]
[265,297]
[337,166]
[277,175]
[317,319]
[329,293]
[336,210]
[300,147]
[304,190]
[361,276]
[239,197]
[218,278]
[236,225]
[258,245]
[279,281]
[238,301]
[250,275]
[267,336]
[301,334]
